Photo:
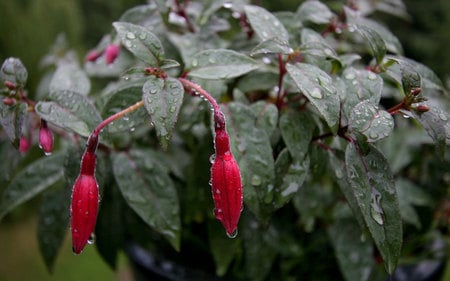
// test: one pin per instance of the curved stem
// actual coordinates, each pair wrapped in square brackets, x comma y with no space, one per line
[116,116]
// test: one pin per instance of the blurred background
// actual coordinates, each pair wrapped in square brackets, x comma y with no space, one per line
[28,28]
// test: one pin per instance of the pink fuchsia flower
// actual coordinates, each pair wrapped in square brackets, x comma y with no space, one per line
[93,55]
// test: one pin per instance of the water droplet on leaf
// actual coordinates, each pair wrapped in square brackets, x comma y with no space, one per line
[316,93]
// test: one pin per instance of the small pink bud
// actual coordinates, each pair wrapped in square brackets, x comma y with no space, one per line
[24,144]
[226,184]
[421,108]
[111,53]
[9,101]
[45,138]
[10,85]
[84,205]
[93,55]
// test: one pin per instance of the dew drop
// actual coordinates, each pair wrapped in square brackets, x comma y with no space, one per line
[256,180]
[233,234]
[172,109]
[194,62]
[91,239]
[212,60]
[142,36]
[266,60]
[132,129]
[228,5]
[350,76]
[443,116]
[316,93]
[131,35]
[373,135]
[126,118]
[212,158]
[372,76]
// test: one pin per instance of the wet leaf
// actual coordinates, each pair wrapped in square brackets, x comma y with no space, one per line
[141,42]
[70,77]
[163,99]
[360,85]
[314,11]
[221,64]
[354,255]
[223,249]
[368,119]
[272,45]
[318,87]
[265,24]
[252,150]
[410,195]
[296,129]
[11,119]
[266,116]
[13,71]
[149,191]
[373,187]
[31,181]
[53,222]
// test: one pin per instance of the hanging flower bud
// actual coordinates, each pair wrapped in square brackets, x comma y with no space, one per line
[85,200]
[93,55]
[111,53]
[226,184]
[24,144]
[45,138]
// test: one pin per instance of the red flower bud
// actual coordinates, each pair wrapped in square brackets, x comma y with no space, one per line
[24,144]
[84,205]
[93,55]
[45,138]
[111,53]
[10,85]
[226,184]
[421,108]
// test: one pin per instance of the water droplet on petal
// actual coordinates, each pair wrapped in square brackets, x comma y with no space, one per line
[350,76]
[212,158]
[91,239]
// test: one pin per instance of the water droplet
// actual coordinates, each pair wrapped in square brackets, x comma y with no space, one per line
[212,158]
[373,135]
[233,234]
[194,62]
[228,5]
[131,35]
[350,76]
[126,118]
[142,36]
[443,116]
[132,129]
[376,211]
[91,239]
[266,60]
[128,43]
[316,93]
[372,76]
[172,109]
[218,213]
[256,180]
[212,60]
[338,173]
[153,91]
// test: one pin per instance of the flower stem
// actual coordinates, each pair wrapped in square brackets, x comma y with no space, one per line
[116,116]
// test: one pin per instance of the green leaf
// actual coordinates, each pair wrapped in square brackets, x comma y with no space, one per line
[360,85]
[53,222]
[410,195]
[110,229]
[374,40]
[163,99]
[373,186]
[318,87]
[70,77]
[139,14]
[435,123]
[265,24]
[13,71]
[141,42]
[290,176]
[267,116]
[272,45]
[354,255]
[11,118]
[368,119]
[149,191]
[29,182]
[296,129]
[70,111]
[253,152]
[121,96]
[221,64]
[392,43]
[315,12]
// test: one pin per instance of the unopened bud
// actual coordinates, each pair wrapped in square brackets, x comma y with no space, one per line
[10,85]
[226,185]
[45,138]
[111,53]
[24,144]
[422,108]
[93,55]
[416,91]
[9,101]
